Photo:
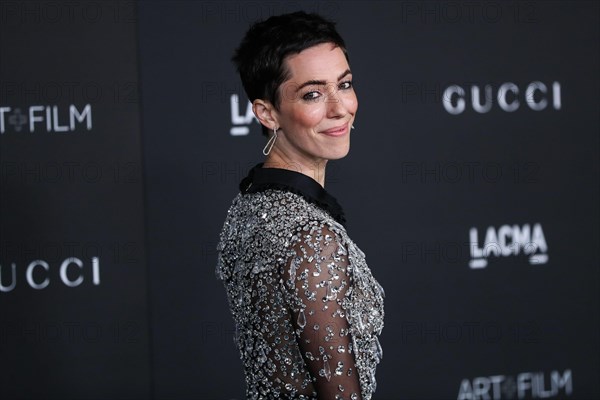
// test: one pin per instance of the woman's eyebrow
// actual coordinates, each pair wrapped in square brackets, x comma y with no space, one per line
[346,72]
[320,82]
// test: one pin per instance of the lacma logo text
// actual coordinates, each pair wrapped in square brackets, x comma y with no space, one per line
[506,241]
[240,120]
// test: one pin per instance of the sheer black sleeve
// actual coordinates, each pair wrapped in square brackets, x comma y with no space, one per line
[318,278]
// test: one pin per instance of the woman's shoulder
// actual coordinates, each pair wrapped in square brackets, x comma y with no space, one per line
[276,216]
[273,205]
[264,225]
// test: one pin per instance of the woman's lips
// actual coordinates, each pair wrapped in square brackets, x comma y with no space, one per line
[336,131]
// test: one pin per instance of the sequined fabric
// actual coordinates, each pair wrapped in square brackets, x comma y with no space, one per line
[306,306]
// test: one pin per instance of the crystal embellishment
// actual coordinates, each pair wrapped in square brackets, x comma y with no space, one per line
[301,319]
[326,369]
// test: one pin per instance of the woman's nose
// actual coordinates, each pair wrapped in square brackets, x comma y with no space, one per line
[335,105]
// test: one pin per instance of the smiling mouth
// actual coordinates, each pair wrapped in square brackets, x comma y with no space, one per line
[337,131]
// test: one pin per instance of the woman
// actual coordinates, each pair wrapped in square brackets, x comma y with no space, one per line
[307,309]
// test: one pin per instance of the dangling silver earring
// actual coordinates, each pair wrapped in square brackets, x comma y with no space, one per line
[352,126]
[270,143]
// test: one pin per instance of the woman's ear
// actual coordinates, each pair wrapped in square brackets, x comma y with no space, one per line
[265,113]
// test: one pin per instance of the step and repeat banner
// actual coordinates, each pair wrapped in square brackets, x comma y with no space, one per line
[73,290]
[471,185]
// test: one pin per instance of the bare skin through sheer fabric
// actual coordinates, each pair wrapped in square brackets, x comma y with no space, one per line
[319,277]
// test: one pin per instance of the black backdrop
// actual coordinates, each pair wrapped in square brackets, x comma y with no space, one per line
[471,185]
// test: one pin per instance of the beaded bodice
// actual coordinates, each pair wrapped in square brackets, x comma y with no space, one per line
[306,306]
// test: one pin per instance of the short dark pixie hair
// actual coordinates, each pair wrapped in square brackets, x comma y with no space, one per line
[260,57]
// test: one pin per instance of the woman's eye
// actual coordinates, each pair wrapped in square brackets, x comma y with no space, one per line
[346,85]
[311,96]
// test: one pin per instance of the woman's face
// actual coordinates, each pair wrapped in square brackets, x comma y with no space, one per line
[317,107]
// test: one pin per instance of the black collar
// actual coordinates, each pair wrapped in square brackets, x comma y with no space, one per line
[260,179]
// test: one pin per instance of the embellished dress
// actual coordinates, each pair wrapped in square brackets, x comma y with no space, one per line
[306,306]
